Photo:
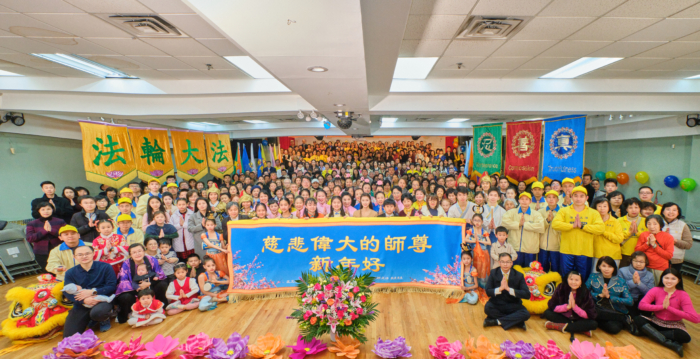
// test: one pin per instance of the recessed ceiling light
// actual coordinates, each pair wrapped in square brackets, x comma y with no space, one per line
[209,123]
[342,104]
[580,67]
[255,121]
[85,65]
[693,77]
[389,119]
[300,115]
[455,120]
[249,66]
[416,68]
[8,73]
[317,69]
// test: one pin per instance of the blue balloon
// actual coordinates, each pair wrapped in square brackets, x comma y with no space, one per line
[671,181]
[326,125]
[462,148]
[264,142]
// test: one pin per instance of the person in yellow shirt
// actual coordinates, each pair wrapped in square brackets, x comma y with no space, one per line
[607,244]
[154,190]
[578,224]
[538,200]
[632,225]
[126,229]
[524,228]
[567,186]
[126,192]
[549,255]
[124,207]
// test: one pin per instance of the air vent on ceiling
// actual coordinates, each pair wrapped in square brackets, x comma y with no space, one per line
[488,27]
[143,25]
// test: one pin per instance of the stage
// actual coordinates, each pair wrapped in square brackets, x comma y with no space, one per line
[419,317]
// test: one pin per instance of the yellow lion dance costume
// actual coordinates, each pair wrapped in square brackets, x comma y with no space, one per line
[37,313]
[541,286]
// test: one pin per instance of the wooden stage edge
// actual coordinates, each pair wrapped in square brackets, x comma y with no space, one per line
[418,317]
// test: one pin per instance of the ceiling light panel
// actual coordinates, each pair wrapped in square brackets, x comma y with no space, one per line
[8,73]
[85,65]
[415,68]
[580,67]
[457,120]
[257,122]
[250,67]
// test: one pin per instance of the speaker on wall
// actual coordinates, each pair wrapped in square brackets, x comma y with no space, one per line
[319,138]
[415,138]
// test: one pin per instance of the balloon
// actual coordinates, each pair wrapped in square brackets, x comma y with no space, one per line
[610,174]
[600,175]
[641,177]
[671,181]
[326,125]
[688,184]
[455,143]
[462,148]
[264,142]
[623,178]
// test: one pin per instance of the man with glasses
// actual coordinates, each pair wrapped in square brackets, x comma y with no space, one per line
[646,194]
[506,289]
[92,279]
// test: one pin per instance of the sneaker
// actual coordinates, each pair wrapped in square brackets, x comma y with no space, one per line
[106,325]
[555,326]
[522,325]
[490,322]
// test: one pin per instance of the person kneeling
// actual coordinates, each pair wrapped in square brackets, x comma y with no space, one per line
[147,310]
[571,308]
[506,289]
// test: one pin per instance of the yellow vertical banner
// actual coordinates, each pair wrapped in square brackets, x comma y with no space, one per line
[190,154]
[220,158]
[152,155]
[107,155]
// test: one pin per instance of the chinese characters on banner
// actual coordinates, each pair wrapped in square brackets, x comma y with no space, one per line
[220,158]
[564,139]
[190,154]
[152,153]
[269,255]
[487,149]
[107,155]
[523,151]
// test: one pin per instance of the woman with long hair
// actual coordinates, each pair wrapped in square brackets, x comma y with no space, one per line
[611,296]
[365,207]
[154,204]
[197,223]
[571,308]
[336,208]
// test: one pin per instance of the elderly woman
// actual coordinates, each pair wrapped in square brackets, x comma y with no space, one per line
[126,291]
[42,232]
[682,239]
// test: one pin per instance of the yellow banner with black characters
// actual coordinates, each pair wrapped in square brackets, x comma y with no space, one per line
[107,155]
[190,154]
[220,157]
[152,153]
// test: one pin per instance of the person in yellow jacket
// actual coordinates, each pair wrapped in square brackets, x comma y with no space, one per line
[61,257]
[549,255]
[154,190]
[538,200]
[524,228]
[578,224]
[632,224]
[124,206]
[126,192]
[125,228]
[608,243]
[567,187]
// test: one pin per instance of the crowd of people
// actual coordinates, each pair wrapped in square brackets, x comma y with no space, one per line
[161,248]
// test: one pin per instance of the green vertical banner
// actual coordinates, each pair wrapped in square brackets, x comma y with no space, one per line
[487,149]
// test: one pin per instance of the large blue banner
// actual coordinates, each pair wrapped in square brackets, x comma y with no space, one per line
[563,149]
[269,255]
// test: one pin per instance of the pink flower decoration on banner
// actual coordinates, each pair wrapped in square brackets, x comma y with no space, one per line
[586,350]
[157,173]
[303,348]
[222,168]
[196,346]
[192,171]
[120,350]
[551,351]
[115,174]
[160,347]
[444,350]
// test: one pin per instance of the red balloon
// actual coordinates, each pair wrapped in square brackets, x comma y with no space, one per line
[623,178]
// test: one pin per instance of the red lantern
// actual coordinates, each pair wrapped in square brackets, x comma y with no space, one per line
[623,178]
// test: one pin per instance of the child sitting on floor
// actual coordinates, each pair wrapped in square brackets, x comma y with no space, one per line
[182,291]
[143,275]
[74,289]
[212,283]
[469,285]
[147,310]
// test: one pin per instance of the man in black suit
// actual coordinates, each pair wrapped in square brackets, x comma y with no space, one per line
[506,288]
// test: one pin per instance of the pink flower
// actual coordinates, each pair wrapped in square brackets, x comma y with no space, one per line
[196,346]
[363,298]
[192,171]
[329,287]
[119,350]
[157,173]
[551,351]
[317,286]
[304,348]
[320,296]
[444,350]
[115,174]
[359,311]
[586,350]
[356,289]
[222,168]
[160,347]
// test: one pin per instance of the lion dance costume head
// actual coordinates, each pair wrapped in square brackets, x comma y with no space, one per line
[541,286]
[37,313]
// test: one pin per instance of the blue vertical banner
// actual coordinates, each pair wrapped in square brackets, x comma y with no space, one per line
[564,147]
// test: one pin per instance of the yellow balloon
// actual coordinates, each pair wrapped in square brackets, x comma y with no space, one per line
[610,174]
[642,177]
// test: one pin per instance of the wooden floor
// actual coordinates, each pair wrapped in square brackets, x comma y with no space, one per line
[420,318]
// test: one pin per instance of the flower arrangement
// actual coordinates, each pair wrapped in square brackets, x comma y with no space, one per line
[120,350]
[444,350]
[626,352]
[304,348]
[396,348]
[346,347]
[551,351]
[586,350]
[78,345]
[519,350]
[481,348]
[335,301]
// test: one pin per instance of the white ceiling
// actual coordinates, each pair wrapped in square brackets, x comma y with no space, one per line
[358,41]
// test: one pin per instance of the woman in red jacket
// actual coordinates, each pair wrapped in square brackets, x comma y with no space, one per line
[657,245]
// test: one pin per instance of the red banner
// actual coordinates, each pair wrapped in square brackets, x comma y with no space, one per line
[523,143]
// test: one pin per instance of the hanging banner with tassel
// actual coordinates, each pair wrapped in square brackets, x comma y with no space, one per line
[220,158]
[487,149]
[152,155]
[107,155]
[190,154]
[564,139]
[523,151]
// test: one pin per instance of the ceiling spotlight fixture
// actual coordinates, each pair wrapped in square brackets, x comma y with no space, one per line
[300,115]
[308,118]
[631,115]
[459,65]
[338,104]
[317,69]
[313,114]
[620,117]
[210,67]
[16,118]
[610,118]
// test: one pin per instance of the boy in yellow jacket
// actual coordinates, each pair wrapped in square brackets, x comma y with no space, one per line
[154,190]
[608,243]
[549,255]
[632,226]
[125,228]
[578,224]
[538,200]
[567,187]
[524,228]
